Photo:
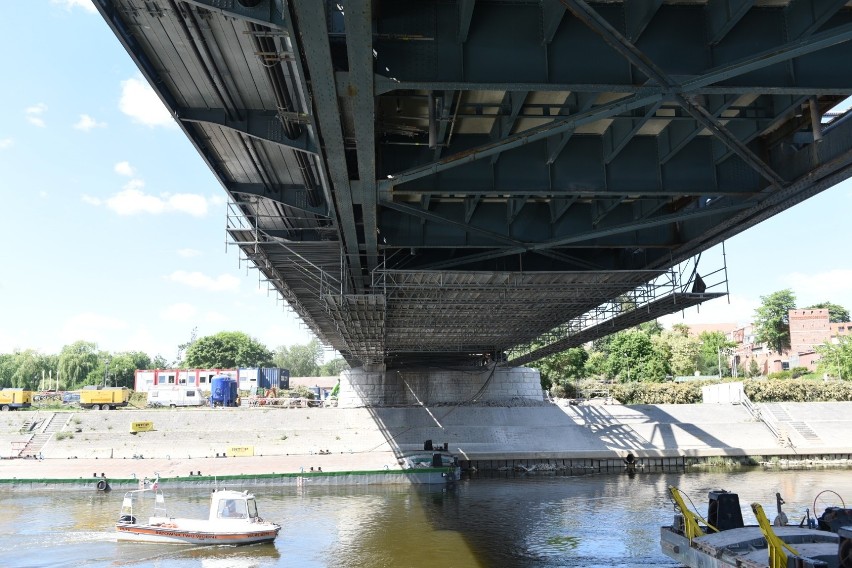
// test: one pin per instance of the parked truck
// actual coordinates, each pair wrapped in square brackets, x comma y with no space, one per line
[104,397]
[13,399]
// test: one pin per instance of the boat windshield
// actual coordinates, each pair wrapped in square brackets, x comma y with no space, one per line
[252,508]
[232,509]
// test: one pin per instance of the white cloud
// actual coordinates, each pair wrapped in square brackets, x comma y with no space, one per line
[87,123]
[5,143]
[180,312]
[70,4]
[275,335]
[35,114]
[194,205]
[142,339]
[224,282]
[131,200]
[215,317]
[90,326]
[124,169]
[188,253]
[140,102]
[831,286]
[91,200]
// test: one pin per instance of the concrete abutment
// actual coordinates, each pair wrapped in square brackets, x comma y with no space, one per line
[438,386]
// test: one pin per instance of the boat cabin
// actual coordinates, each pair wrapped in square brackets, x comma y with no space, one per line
[229,504]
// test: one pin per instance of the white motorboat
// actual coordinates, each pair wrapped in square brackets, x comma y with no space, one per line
[233,520]
[430,467]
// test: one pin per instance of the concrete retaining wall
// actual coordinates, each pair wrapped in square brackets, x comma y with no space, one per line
[360,388]
[522,433]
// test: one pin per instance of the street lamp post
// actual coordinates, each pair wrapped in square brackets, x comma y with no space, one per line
[719,352]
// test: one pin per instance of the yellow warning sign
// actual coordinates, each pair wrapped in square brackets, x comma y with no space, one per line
[141,426]
[241,451]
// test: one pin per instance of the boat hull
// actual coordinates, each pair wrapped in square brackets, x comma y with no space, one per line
[746,547]
[177,535]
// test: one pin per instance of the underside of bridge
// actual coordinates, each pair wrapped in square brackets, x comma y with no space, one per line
[428,181]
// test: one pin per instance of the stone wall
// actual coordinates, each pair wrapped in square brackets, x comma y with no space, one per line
[431,386]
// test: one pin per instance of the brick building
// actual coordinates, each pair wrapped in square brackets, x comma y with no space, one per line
[809,328]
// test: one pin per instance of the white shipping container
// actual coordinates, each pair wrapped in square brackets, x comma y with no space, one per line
[248,380]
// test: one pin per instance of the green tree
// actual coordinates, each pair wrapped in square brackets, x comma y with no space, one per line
[301,360]
[226,350]
[629,350]
[772,321]
[563,367]
[711,353]
[836,312]
[836,358]
[27,368]
[682,349]
[334,367]
[595,364]
[76,361]
[753,369]
[654,327]
[123,366]
[7,369]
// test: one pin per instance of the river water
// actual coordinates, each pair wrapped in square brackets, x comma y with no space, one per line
[541,521]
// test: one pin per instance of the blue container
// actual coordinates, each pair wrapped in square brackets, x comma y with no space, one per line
[273,378]
[223,392]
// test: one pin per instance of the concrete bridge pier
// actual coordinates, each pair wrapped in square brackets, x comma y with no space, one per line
[366,387]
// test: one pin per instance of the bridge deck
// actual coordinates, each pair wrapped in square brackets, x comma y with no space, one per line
[377,151]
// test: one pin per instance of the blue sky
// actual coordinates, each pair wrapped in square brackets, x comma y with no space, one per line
[114,228]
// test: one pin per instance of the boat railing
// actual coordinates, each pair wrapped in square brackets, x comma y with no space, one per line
[134,504]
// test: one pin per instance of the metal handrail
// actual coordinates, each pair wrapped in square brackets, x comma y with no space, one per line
[768,421]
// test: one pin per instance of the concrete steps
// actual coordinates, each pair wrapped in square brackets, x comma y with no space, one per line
[49,426]
[787,424]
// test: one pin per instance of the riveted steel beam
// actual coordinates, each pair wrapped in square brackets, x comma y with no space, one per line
[465,16]
[263,125]
[503,124]
[359,37]
[805,17]
[266,12]
[287,194]
[552,12]
[785,52]
[520,139]
[618,42]
[313,45]
[463,226]
[637,15]
[723,15]
[581,102]
[621,132]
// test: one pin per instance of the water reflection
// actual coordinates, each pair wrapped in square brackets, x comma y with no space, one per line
[533,521]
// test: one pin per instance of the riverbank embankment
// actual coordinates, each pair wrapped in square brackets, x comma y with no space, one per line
[187,443]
